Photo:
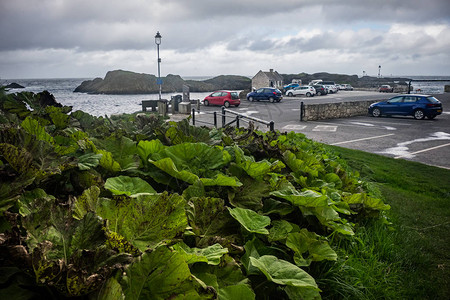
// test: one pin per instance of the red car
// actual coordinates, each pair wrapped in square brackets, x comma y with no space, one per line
[225,98]
[386,89]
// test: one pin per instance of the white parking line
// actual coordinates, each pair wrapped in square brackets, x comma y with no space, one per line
[363,139]
[294,127]
[423,150]
[325,128]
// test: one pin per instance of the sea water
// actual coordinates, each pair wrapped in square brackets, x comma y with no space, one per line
[96,105]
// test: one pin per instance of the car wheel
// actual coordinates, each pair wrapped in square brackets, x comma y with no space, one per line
[319,93]
[291,95]
[206,103]
[271,99]
[250,99]
[418,114]
[376,112]
[431,117]
[308,94]
[226,104]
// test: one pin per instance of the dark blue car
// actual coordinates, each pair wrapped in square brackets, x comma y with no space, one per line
[418,106]
[271,94]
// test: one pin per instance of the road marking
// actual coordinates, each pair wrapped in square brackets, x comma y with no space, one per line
[363,139]
[402,149]
[362,124]
[423,150]
[325,128]
[294,127]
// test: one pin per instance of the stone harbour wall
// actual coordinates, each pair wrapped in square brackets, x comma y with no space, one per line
[325,111]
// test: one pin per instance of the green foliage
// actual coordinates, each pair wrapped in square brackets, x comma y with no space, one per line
[134,207]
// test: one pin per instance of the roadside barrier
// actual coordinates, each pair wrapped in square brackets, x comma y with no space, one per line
[235,120]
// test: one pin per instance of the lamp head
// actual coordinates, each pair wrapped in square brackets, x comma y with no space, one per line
[158,38]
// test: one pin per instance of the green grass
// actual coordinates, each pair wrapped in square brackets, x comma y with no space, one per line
[413,260]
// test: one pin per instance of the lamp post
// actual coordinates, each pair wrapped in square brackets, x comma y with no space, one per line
[158,42]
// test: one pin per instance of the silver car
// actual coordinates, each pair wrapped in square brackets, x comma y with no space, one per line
[306,90]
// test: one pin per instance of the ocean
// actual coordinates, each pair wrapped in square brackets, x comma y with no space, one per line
[96,105]
[100,105]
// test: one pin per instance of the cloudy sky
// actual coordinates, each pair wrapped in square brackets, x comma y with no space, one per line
[87,38]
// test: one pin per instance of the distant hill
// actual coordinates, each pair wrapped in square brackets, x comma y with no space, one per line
[126,82]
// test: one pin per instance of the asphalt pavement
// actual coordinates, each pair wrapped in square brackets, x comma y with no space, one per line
[425,141]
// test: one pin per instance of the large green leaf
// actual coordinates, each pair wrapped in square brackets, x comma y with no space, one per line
[111,290]
[227,275]
[306,198]
[146,149]
[197,157]
[250,194]
[240,291]
[221,180]
[130,186]
[161,274]
[209,220]
[123,151]
[33,127]
[280,230]
[365,201]
[89,160]
[168,166]
[146,220]
[302,162]
[250,220]
[210,255]
[282,272]
[86,202]
[308,242]
[88,234]
[59,118]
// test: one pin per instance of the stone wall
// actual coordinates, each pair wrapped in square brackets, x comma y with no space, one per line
[325,111]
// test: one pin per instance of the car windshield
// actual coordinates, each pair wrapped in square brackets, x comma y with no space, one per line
[433,100]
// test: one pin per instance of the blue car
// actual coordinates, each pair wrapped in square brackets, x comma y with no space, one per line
[271,94]
[290,86]
[418,106]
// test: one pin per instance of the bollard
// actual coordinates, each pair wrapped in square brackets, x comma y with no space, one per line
[193,116]
[223,116]
[272,126]
[237,122]
[302,110]
[215,119]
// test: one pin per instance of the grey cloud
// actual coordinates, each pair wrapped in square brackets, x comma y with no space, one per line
[94,24]
[258,27]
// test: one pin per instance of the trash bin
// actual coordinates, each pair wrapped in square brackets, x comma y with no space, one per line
[162,107]
[175,100]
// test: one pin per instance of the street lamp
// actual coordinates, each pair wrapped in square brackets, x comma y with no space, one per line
[158,42]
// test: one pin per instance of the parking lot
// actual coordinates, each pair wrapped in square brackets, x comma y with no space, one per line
[425,141]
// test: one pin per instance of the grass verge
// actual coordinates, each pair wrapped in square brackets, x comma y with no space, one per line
[413,260]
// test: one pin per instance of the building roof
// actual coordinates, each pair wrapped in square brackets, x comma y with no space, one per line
[271,75]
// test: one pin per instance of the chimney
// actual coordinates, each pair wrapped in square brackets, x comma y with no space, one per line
[271,70]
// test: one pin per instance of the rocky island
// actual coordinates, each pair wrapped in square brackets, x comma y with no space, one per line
[126,82]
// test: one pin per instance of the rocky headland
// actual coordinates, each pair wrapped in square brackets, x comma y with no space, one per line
[126,82]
